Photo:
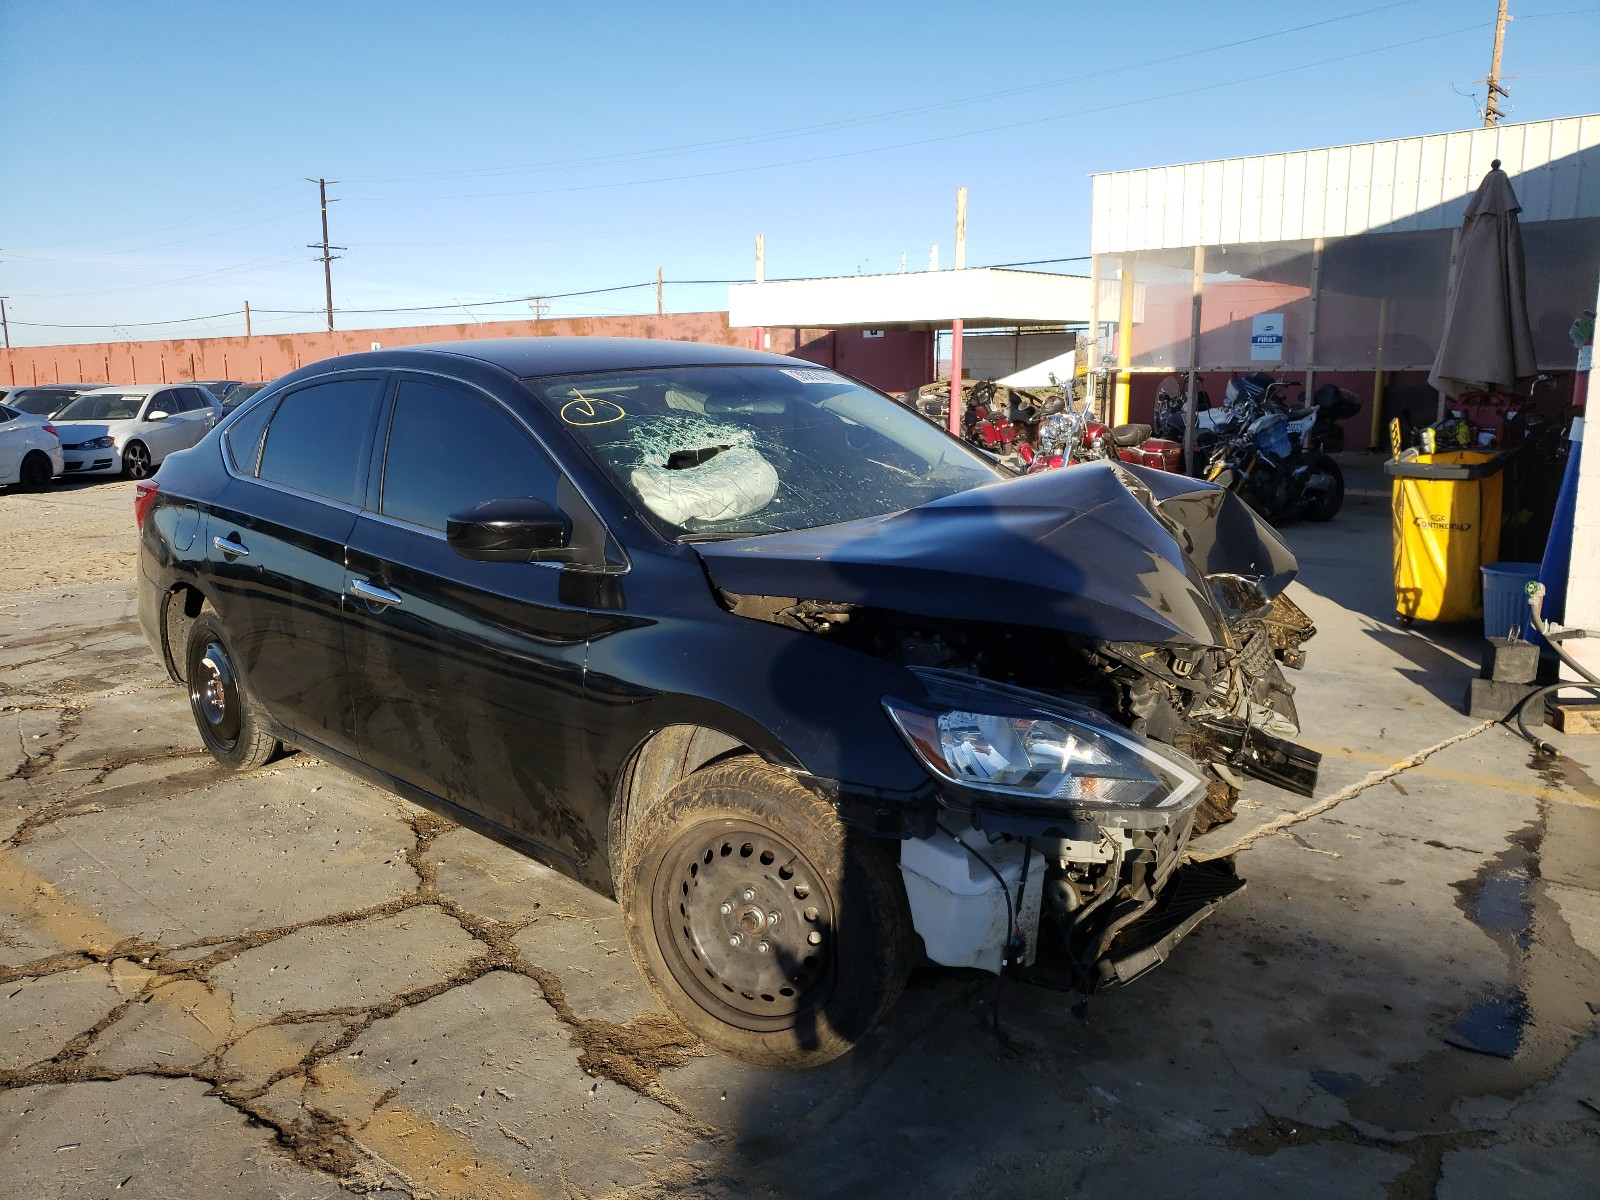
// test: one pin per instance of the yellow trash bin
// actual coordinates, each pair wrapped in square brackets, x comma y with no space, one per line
[1446,526]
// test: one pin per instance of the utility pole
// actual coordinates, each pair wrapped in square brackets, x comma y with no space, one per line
[247,332]
[327,256]
[761,277]
[958,326]
[1491,108]
[4,324]
[661,310]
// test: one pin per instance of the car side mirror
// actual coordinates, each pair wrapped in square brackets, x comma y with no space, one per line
[158,415]
[518,529]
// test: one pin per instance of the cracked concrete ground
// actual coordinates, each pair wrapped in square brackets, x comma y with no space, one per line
[292,984]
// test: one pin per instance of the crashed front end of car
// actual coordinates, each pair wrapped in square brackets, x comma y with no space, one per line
[1096,656]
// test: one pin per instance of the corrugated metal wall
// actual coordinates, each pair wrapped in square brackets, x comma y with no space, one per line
[1408,184]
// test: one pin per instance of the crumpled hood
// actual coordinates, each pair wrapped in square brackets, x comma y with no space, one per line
[1106,551]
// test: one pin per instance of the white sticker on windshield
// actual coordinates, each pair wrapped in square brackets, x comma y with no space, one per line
[805,376]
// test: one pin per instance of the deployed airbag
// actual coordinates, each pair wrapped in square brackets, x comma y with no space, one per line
[706,484]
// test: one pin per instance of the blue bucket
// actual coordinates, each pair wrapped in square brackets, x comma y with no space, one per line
[1505,597]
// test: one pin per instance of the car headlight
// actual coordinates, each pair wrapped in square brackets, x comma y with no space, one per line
[100,443]
[1067,759]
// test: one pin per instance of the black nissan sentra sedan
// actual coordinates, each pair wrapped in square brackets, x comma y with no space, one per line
[813,688]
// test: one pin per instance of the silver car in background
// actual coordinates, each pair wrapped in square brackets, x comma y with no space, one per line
[130,430]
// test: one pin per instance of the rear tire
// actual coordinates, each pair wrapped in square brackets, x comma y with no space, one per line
[702,875]
[229,725]
[1327,504]
[36,471]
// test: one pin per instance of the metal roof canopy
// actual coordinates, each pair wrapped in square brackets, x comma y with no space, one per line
[1396,186]
[978,296]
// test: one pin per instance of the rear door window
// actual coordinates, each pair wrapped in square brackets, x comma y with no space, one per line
[318,438]
[450,448]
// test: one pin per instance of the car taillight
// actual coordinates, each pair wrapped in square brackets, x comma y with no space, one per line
[144,498]
[52,430]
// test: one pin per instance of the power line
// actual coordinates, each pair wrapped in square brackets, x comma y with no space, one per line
[233,205]
[455,304]
[870,119]
[1075,114]
[238,312]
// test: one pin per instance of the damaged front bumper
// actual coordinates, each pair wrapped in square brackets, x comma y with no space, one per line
[1083,912]
[1058,849]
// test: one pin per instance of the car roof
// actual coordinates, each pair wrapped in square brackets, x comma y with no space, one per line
[132,389]
[524,357]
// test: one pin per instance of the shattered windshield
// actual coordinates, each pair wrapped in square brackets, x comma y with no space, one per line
[727,451]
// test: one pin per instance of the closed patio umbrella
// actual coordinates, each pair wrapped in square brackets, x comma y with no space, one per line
[1487,342]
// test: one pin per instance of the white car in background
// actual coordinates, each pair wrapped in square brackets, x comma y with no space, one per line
[30,451]
[129,430]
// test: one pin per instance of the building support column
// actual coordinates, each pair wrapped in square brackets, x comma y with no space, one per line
[1191,400]
[1311,323]
[1379,379]
[957,393]
[1119,414]
[1583,574]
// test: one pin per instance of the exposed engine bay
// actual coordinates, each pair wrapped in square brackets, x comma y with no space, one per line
[1225,707]
[1117,899]
[1139,623]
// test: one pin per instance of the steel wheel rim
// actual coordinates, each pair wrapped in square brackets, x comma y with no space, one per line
[214,695]
[35,474]
[137,459]
[712,911]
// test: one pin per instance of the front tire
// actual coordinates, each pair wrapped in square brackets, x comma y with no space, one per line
[759,921]
[136,461]
[36,472]
[228,723]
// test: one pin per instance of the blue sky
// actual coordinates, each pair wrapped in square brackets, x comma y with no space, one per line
[155,154]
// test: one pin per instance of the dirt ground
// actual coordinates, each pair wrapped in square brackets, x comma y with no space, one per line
[73,533]
[290,984]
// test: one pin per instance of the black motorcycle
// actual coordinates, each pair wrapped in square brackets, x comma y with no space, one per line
[1272,472]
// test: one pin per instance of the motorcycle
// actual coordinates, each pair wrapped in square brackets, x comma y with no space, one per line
[1279,477]
[1135,444]
[1316,425]
[1050,437]
[1212,424]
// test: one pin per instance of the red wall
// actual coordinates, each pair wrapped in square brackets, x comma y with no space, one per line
[897,362]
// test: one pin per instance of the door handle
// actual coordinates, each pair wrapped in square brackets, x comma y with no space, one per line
[229,546]
[382,597]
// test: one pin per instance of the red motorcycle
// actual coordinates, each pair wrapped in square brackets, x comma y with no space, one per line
[1134,444]
[1066,435]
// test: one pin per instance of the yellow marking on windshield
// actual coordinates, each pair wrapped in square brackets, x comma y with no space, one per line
[586,410]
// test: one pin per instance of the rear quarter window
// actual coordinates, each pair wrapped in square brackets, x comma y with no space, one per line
[243,437]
